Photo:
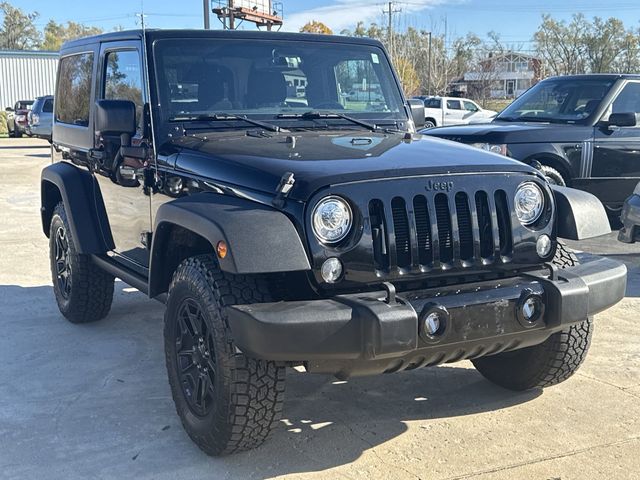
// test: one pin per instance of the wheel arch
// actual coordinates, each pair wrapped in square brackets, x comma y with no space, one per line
[554,161]
[259,239]
[80,194]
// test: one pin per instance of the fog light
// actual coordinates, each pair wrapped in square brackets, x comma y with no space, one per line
[433,322]
[532,308]
[331,270]
[543,246]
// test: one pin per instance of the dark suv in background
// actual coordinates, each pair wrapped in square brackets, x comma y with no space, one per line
[17,117]
[285,224]
[583,130]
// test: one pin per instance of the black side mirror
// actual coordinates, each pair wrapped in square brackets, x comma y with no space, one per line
[416,106]
[115,117]
[8,109]
[627,119]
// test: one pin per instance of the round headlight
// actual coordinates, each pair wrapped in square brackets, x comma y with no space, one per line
[529,202]
[331,219]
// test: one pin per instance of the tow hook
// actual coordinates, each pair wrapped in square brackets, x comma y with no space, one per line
[391,293]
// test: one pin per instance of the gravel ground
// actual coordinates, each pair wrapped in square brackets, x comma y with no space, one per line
[92,401]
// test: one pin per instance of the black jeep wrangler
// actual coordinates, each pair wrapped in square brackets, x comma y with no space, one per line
[286,223]
[583,130]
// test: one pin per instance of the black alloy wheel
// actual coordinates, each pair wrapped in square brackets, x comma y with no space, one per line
[62,262]
[195,358]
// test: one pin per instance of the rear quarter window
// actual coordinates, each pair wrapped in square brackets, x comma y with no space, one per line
[48,105]
[74,89]
[433,103]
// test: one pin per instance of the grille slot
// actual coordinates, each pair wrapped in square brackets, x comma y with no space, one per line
[440,230]
[484,225]
[401,229]
[443,216]
[423,230]
[504,222]
[465,228]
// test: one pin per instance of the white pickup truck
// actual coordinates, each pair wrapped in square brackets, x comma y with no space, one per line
[444,111]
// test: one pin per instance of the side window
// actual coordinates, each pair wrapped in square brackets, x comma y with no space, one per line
[628,100]
[48,106]
[74,86]
[433,103]
[470,106]
[454,105]
[123,78]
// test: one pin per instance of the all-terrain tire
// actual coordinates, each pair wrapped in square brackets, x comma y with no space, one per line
[83,291]
[554,177]
[548,363]
[244,395]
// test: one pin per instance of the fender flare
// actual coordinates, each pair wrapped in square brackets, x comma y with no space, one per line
[83,203]
[260,239]
[580,214]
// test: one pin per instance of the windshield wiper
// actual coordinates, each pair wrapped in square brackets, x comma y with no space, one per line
[215,117]
[312,115]
[531,118]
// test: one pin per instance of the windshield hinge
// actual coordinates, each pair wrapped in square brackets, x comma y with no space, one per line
[283,189]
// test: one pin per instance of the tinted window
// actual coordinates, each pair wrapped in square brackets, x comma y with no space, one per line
[48,105]
[470,106]
[454,105]
[123,78]
[628,100]
[433,103]
[74,88]
[561,100]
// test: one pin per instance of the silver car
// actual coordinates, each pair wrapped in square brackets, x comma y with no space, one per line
[40,118]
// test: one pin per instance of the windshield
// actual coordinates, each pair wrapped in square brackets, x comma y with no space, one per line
[266,79]
[558,100]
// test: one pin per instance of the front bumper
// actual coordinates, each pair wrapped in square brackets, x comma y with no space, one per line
[364,334]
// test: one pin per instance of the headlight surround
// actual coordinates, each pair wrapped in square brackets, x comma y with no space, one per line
[332,219]
[529,202]
[500,148]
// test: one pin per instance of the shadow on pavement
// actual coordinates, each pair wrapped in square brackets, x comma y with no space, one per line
[82,399]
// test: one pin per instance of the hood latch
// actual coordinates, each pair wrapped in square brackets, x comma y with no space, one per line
[283,189]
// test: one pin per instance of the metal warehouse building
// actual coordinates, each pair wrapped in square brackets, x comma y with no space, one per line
[25,75]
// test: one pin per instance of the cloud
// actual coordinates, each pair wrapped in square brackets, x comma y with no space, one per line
[341,14]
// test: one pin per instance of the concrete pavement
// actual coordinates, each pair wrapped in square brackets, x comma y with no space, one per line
[92,401]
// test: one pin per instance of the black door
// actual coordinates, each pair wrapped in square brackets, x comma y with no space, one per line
[126,202]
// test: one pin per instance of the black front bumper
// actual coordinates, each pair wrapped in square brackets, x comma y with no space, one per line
[364,334]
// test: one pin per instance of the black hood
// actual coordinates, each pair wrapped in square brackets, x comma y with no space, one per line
[257,161]
[511,132]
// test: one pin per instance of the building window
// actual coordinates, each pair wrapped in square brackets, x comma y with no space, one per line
[74,89]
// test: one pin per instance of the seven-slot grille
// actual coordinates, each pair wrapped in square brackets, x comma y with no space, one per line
[440,231]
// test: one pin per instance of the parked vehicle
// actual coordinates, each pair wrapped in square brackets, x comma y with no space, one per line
[315,235]
[630,218]
[17,117]
[40,118]
[445,111]
[582,129]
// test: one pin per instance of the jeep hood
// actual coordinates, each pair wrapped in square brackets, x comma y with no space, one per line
[510,132]
[258,160]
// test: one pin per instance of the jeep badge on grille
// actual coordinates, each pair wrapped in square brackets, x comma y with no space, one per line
[438,186]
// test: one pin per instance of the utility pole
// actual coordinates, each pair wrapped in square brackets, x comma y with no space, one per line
[232,20]
[205,6]
[390,11]
[429,67]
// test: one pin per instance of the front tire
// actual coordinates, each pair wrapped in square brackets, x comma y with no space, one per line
[429,124]
[83,291]
[553,176]
[546,364]
[226,400]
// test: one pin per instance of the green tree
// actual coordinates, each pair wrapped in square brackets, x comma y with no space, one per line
[18,31]
[316,27]
[55,34]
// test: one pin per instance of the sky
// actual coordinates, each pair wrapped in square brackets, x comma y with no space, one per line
[514,20]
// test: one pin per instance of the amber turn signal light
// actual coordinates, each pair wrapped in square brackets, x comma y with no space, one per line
[222,249]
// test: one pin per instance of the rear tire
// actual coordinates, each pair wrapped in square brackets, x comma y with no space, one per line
[429,124]
[226,400]
[83,291]
[546,364]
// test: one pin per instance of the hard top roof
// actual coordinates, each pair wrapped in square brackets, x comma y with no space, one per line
[155,34]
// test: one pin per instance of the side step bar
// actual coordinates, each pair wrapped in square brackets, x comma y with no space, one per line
[123,273]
